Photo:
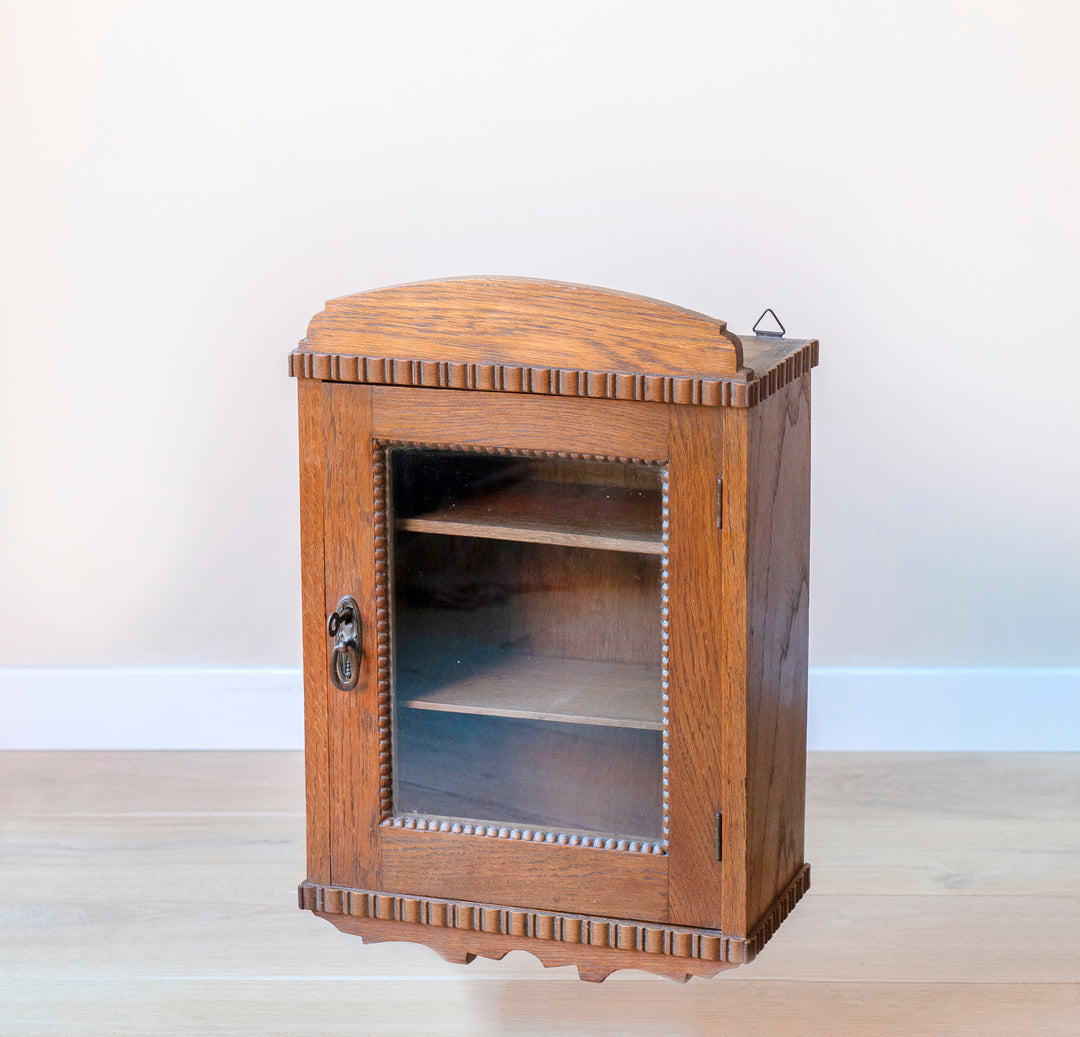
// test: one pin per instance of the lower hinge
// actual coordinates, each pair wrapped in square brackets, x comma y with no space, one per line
[719,835]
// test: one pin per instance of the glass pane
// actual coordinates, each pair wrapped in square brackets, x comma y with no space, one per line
[527,642]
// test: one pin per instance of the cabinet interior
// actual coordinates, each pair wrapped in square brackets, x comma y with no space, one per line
[527,641]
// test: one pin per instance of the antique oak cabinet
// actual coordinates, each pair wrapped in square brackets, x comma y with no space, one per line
[555,576]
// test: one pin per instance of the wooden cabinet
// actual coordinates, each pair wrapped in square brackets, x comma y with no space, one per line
[555,570]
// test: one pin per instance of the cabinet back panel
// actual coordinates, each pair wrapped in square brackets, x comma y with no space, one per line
[572,778]
[541,599]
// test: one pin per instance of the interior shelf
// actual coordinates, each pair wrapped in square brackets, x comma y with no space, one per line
[609,518]
[494,682]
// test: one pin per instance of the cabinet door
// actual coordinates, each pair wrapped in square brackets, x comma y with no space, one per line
[508,738]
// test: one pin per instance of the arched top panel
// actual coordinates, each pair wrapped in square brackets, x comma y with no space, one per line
[521,323]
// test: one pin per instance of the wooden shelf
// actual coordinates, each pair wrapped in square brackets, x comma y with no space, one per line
[604,517]
[452,677]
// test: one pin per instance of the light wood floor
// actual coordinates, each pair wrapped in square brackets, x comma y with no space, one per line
[154,893]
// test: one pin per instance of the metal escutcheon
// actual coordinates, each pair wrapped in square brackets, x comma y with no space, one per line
[343,625]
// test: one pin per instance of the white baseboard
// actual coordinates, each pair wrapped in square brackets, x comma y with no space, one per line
[153,708]
[937,710]
[850,709]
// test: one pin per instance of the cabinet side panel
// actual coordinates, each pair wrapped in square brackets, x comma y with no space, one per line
[778,599]
[350,560]
[311,397]
[733,649]
[696,708]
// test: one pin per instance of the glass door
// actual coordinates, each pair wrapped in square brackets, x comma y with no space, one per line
[528,660]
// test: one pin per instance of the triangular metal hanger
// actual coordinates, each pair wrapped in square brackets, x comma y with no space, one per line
[769,334]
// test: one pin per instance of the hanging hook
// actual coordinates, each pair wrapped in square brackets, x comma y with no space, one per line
[769,334]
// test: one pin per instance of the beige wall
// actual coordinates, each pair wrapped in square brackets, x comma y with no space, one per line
[189,181]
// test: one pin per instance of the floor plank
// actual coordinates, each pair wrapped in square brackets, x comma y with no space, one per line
[490,1007]
[154,893]
[156,782]
[1021,786]
[946,856]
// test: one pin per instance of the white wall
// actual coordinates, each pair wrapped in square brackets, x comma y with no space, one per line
[187,182]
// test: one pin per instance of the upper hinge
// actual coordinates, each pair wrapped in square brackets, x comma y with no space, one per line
[720,503]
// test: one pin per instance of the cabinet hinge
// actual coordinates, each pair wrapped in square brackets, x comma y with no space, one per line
[720,503]
[719,835]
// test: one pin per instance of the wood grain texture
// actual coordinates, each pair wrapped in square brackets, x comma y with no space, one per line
[350,563]
[778,560]
[523,321]
[776,362]
[799,357]
[530,687]
[525,874]
[459,930]
[543,338]
[594,962]
[605,518]
[959,856]
[311,396]
[535,1001]
[540,372]
[540,598]
[541,381]
[773,916]
[460,865]
[420,919]
[966,786]
[696,717]
[593,428]
[733,648]
[152,894]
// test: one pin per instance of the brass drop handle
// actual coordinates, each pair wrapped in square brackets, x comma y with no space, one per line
[343,625]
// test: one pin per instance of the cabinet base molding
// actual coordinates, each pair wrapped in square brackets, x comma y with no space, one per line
[461,931]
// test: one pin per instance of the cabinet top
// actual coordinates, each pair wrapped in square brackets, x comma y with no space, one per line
[522,335]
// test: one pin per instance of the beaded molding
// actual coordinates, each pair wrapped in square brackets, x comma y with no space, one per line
[665,636]
[382,630]
[546,381]
[666,940]
[661,939]
[435,824]
[384,680]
